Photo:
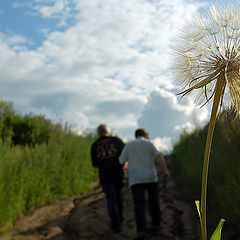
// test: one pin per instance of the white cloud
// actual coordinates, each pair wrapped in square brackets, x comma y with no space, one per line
[12,40]
[49,11]
[163,115]
[164,145]
[105,68]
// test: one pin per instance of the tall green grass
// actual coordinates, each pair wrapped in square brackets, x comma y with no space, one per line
[224,178]
[33,176]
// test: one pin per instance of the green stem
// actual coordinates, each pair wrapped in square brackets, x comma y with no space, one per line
[220,85]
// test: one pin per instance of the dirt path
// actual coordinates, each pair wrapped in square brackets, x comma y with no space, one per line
[85,218]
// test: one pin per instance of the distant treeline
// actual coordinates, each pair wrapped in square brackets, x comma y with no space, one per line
[40,162]
[28,129]
[224,171]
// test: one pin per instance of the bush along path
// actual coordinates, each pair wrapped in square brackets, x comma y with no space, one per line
[85,218]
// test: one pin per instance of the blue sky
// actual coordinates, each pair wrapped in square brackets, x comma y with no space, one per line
[91,61]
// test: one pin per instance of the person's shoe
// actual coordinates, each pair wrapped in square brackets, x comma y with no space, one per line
[140,236]
[117,228]
[153,230]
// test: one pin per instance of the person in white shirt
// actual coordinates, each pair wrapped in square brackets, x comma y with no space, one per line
[140,155]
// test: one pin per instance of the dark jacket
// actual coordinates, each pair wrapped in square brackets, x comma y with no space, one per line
[104,154]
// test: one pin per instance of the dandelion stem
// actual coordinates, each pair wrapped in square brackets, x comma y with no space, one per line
[219,90]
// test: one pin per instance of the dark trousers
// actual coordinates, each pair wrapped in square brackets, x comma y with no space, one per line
[138,192]
[113,194]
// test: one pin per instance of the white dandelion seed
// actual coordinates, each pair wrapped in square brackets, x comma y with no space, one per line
[209,50]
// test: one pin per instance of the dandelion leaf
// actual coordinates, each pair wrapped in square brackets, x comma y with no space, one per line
[217,233]
[198,208]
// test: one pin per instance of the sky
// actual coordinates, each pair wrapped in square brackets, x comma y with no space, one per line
[86,62]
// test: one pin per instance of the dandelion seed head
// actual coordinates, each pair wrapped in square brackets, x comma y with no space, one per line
[207,49]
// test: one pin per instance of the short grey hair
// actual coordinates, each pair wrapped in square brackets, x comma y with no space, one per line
[102,129]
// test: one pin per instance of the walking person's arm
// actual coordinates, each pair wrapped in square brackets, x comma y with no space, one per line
[123,158]
[163,165]
[94,159]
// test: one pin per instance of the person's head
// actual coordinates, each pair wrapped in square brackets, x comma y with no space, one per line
[140,132]
[102,130]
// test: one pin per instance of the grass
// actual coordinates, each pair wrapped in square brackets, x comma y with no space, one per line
[34,176]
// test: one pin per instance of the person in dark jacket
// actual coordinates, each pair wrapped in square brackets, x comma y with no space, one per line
[104,154]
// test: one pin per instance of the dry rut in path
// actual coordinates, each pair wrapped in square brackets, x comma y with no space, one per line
[91,222]
[87,219]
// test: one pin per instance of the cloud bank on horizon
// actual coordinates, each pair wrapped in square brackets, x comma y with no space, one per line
[86,62]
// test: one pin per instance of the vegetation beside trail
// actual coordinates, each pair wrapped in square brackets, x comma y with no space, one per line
[224,179]
[40,163]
